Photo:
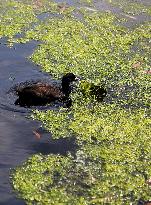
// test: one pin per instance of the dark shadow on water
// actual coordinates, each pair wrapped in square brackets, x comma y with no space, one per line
[56,147]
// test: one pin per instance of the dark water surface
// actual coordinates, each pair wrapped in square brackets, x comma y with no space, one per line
[17,141]
[16,138]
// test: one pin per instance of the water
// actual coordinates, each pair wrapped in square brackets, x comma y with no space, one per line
[17,141]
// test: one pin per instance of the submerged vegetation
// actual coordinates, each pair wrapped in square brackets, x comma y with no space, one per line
[112,164]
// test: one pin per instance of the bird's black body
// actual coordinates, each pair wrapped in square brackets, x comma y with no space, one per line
[43,93]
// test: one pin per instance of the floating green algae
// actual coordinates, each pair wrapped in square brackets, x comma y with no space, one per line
[131,7]
[15,18]
[112,162]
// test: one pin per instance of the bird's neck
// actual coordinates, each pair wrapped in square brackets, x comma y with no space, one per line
[66,88]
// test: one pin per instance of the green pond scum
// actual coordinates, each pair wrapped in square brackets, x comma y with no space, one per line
[112,162]
[131,7]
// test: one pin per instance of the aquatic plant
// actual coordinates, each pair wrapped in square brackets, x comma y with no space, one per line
[111,165]
[15,18]
[112,161]
[131,7]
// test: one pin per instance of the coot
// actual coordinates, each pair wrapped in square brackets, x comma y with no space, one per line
[40,93]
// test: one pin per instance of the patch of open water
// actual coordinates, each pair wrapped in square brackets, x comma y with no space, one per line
[17,141]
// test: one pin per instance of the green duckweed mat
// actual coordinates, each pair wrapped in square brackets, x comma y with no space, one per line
[112,164]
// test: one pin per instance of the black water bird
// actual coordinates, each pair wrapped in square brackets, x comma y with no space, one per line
[39,93]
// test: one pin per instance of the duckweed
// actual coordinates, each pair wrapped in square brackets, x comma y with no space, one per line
[15,18]
[130,7]
[112,162]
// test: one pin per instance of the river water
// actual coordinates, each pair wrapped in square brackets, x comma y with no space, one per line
[17,141]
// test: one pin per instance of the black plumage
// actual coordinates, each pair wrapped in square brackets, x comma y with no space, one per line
[39,93]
